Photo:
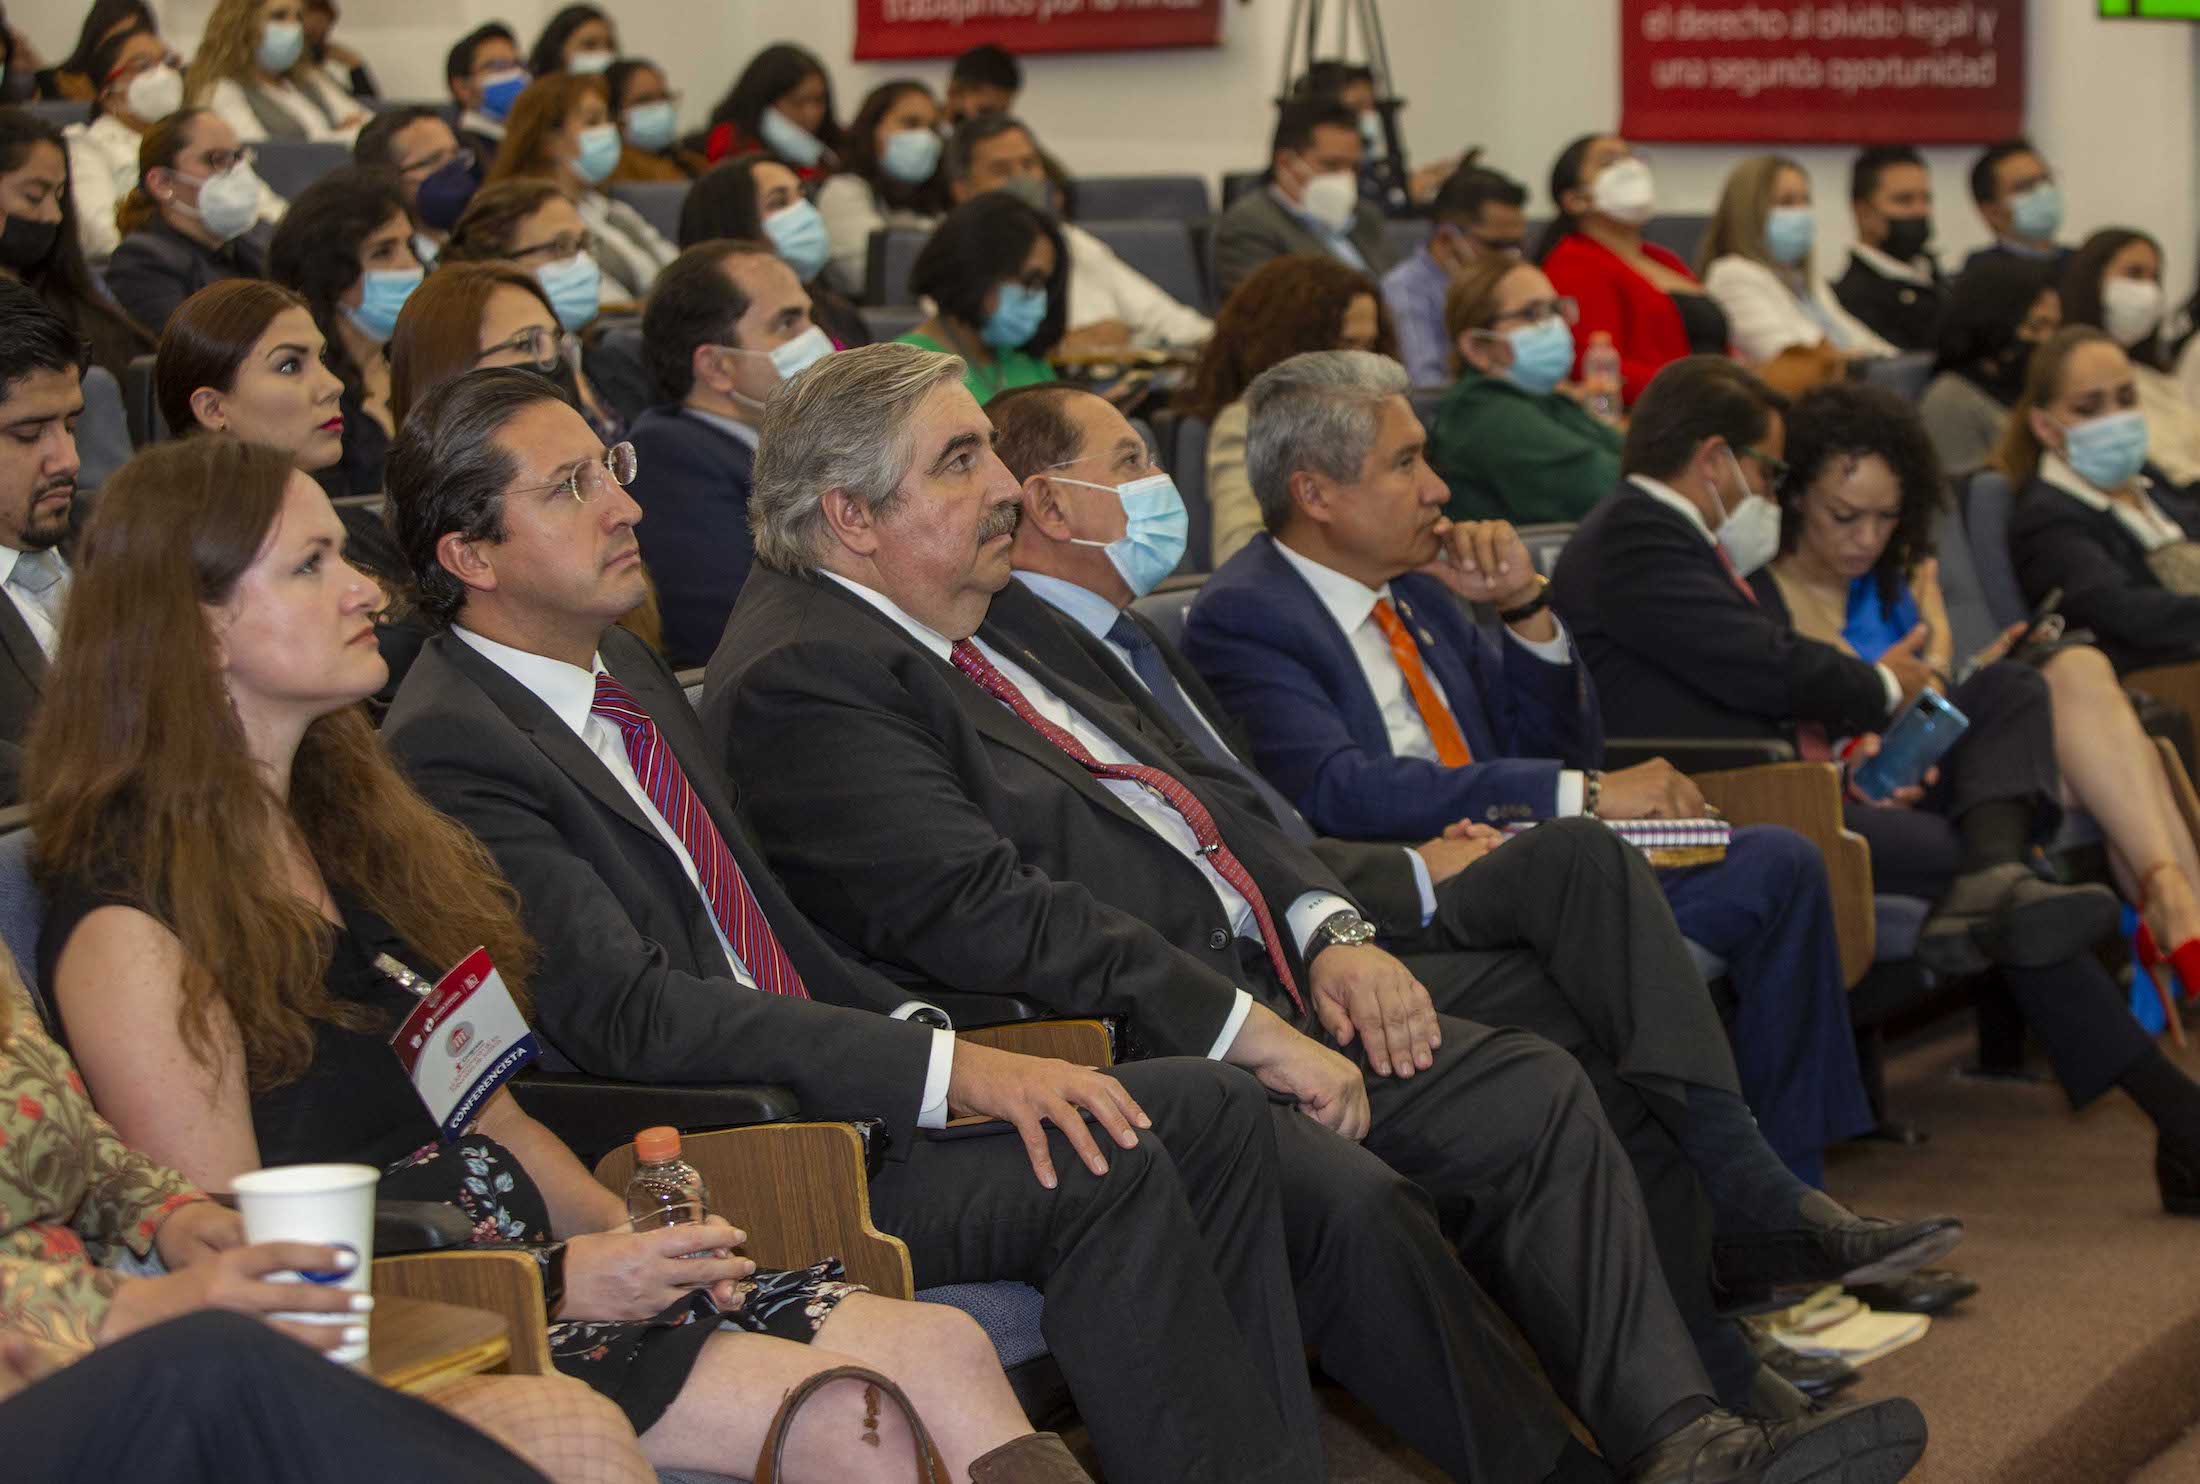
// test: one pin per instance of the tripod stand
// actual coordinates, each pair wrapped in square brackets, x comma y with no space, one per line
[1365,18]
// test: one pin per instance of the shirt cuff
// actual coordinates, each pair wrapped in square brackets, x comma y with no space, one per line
[1310,912]
[1556,650]
[1231,1026]
[934,1112]
[1894,688]
[1573,787]
[1423,884]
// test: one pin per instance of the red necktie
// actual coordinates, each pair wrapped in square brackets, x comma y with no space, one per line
[725,891]
[1734,575]
[1226,865]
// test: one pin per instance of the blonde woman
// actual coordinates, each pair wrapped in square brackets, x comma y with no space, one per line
[1756,262]
[253,70]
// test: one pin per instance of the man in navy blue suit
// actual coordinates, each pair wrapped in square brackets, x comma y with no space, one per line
[727,322]
[1383,713]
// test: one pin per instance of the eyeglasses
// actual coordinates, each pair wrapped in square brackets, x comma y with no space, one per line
[542,346]
[591,477]
[557,249]
[1541,310]
[142,64]
[219,161]
[1777,468]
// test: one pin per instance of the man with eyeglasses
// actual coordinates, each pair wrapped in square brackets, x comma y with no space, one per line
[1478,213]
[436,173]
[671,954]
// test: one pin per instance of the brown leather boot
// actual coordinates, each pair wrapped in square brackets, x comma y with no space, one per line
[1034,1458]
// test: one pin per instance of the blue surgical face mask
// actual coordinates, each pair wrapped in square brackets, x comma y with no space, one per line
[282,43]
[2038,213]
[382,293]
[599,154]
[651,126]
[911,155]
[1156,528]
[1017,314]
[575,290]
[1542,354]
[501,91]
[2108,452]
[789,140]
[799,236]
[1789,231]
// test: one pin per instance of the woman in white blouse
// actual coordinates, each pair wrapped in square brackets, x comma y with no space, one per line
[139,82]
[2114,283]
[890,177]
[561,130]
[1756,262]
[252,69]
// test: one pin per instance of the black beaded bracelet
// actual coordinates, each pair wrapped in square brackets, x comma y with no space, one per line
[1529,609]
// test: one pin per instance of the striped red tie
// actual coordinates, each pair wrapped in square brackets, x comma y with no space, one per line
[725,891]
[1174,794]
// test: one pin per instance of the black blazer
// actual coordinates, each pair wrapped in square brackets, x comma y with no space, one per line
[692,482]
[2102,570]
[914,817]
[22,682]
[632,983]
[156,268]
[1378,877]
[1901,313]
[1677,651]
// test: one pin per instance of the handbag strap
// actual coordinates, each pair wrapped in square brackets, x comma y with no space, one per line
[930,1467]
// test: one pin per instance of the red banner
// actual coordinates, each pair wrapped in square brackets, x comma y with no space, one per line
[1822,71]
[889,29]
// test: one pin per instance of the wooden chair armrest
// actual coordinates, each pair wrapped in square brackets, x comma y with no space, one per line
[506,1283]
[798,1190]
[1806,797]
[2177,685]
[1081,1042]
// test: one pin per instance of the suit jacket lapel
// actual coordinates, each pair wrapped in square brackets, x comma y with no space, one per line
[22,645]
[1363,714]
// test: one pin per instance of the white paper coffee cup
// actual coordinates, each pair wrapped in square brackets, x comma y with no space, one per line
[328,1205]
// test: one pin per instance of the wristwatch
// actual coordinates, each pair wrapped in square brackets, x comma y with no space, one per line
[1342,929]
[1529,609]
[550,1261]
[1592,789]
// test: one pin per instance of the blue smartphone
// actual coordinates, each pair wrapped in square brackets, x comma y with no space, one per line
[1912,743]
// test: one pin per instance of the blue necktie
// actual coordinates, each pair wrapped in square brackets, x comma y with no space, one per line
[1149,666]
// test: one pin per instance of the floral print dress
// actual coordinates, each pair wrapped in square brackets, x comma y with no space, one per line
[354,1103]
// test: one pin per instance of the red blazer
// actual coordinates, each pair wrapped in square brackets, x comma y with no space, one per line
[726,141]
[1641,318]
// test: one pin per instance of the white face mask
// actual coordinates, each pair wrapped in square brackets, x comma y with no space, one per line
[229,203]
[154,93]
[1332,199]
[1625,191]
[2131,309]
[1750,534]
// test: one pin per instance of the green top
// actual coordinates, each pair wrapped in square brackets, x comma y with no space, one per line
[1508,455]
[1010,369]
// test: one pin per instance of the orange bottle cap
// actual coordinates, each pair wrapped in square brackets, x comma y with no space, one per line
[656,1145]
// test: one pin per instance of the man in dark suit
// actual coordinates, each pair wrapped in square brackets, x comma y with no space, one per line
[727,322]
[41,397]
[1893,284]
[953,810]
[2017,197]
[669,953]
[1383,713]
[1311,203]
[1565,933]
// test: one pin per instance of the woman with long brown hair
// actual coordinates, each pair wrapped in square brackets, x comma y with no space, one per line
[245,896]
[561,130]
[1289,305]
[252,69]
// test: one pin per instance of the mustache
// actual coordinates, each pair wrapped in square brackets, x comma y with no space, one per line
[1001,520]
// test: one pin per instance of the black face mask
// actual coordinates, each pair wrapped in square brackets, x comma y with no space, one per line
[1906,237]
[445,193]
[2003,375]
[25,243]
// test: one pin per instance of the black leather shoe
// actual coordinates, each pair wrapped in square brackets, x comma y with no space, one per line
[1816,1376]
[1928,1291]
[2179,1180]
[1830,1245]
[1876,1443]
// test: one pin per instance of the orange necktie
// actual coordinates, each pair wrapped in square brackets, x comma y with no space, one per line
[1443,727]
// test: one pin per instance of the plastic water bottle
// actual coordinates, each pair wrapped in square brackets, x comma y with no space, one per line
[1600,376]
[665,1190]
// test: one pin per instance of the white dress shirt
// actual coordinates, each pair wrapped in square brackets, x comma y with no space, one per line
[630,251]
[1766,315]
[570,693]
[1096,615]
[1673,499]
[1102,287]
[1350,604]
[1919,272]
[1309,912]
[44,618]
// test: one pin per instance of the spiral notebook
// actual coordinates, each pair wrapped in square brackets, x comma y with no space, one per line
[1671,844]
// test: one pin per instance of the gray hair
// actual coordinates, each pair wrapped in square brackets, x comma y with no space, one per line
[962,145]
[843,424]
[1317,412]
